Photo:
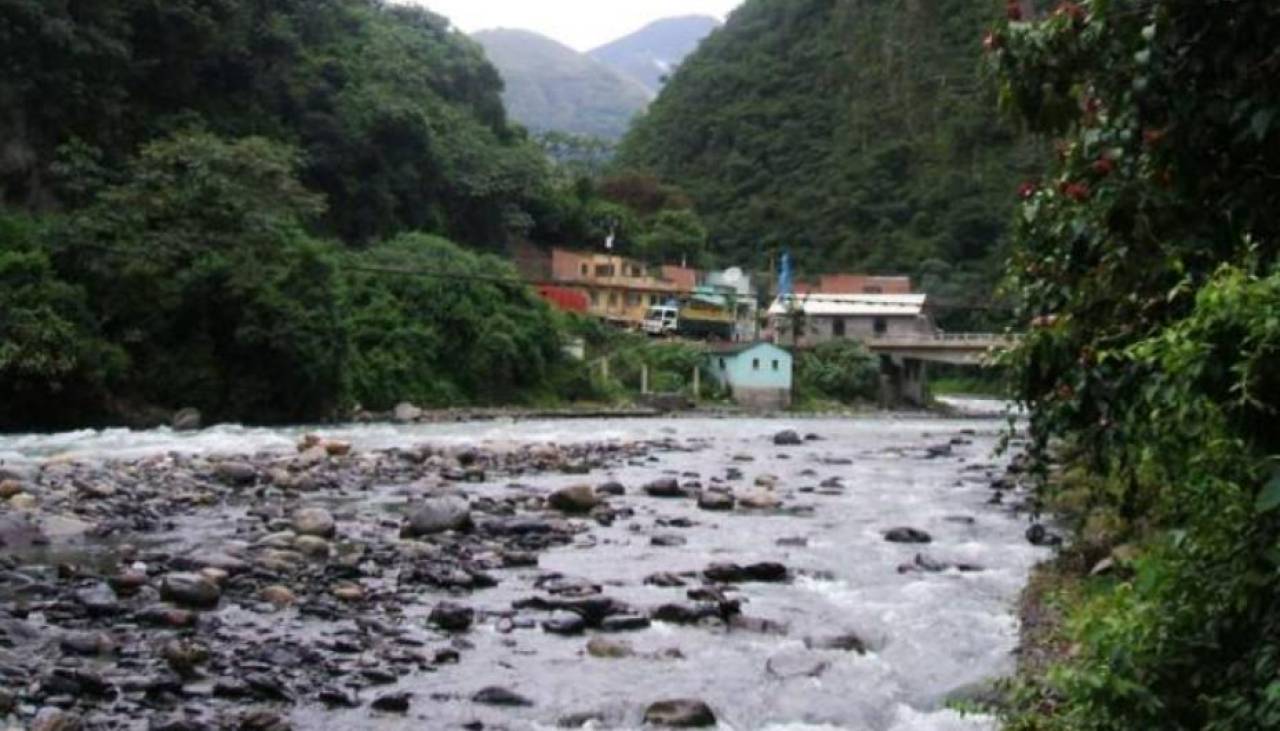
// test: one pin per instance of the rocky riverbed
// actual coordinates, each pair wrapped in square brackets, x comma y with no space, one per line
[842,574]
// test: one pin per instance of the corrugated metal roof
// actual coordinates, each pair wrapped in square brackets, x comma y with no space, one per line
[852,305]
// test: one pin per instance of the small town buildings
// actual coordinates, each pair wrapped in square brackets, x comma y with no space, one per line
[758,374]
[614,288]
[739,296]
[804,321]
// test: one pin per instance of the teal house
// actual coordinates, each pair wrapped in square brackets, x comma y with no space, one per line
[757,374]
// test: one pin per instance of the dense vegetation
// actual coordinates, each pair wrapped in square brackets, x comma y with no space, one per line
[1148,262]
[193,196]
[553,88]
[853,132]
[840,371]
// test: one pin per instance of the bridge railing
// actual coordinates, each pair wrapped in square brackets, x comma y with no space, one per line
[945,337]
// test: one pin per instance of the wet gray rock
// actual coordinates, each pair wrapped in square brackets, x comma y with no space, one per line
[731,573]
[612,488]
[452,617]
[236,474]
[437,515]
[625,623]
[575,499]
[496,695]
[86,644]
[55,719]
[338,698]
[907,535]
[406,413]
[190,590]
[667,487]
[680,713]
[565,623]
[98,601]
[392,703]
[847,642]
[186,420]
[715,500]
[668,540]
[788,438]
[1038,535]
[664,579]
[314,522]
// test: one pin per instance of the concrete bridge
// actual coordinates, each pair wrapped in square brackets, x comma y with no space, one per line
[903,358]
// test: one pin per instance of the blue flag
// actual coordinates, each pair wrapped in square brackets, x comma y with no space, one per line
[784,275]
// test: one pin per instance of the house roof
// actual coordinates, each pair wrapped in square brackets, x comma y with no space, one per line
[852,305]
[737,348]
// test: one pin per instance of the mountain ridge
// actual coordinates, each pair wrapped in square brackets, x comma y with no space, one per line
[654,51]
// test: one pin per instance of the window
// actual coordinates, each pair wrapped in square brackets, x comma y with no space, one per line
[755,364]
[633,299]
[613,299]
[837,327]
[595,296]
[653,299]
[873,289]
[775,365]
[604,270]
[881,326]
[583,269]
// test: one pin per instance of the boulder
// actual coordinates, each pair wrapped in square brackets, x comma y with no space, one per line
[907,535]
[314,522]
[9,488]
[437,515]
[236,474]
[565,623]
[496,695]
[758,501]
[667,487]
[788,438]
[187,420]
[612,488]
[1038,535]
[452,617]
[576,499]
[607,649]
[680,713]
[716,501]
[406,413]
[190,590]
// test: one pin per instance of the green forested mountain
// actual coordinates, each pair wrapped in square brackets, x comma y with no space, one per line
[653,53]
[398,118]
[858,133]
[211,203]
[553,88]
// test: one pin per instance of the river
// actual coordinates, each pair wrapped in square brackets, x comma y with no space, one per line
[929,635]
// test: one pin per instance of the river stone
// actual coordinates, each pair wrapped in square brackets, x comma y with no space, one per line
[715,500]
[667,487]
[848,642]
[437,515]
[574,499]
[564,623]
[1038,535]
[55,719]
[452,617]
[907,535]
[498,696]
[625,623]
[314,522]
[313,546]
[9,488]
[279,596]
[612,488]
[23,501]
[335,448]
[128,582]
[406,413]
[797,664]
[190,590]
[20,532]
[759,501]
[607,649]
[788,438]
[392,703]
[680,713]
[98,601]
[236,474]
[187,420]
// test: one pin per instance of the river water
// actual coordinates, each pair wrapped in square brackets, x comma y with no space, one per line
[930,636]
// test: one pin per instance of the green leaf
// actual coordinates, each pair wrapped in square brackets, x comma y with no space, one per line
[1261,123]
[1269,499]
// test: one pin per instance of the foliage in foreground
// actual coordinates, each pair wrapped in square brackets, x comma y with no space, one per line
[1147,263]
[842,371]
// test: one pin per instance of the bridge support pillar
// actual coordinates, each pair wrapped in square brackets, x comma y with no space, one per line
[903,381]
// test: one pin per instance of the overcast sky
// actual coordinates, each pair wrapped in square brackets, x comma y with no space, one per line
[582,24]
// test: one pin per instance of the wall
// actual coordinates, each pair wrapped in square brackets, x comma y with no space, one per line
[854,284]
[820,329]
[739,372]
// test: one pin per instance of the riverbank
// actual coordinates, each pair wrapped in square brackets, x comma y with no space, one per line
[514,574]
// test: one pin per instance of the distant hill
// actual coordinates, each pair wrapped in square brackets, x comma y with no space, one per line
[653,52]
[551,87]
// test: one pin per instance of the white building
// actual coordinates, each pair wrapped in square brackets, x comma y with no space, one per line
[807,320]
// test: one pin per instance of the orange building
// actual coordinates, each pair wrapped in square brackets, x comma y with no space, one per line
[616,288]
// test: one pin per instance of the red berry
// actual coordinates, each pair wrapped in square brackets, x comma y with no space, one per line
[992,41]
[1103,166]
[1027,189]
